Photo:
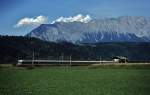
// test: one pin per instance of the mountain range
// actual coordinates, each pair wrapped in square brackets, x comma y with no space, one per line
[121,29]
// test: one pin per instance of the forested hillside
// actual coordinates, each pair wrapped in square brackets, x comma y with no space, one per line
[13,48]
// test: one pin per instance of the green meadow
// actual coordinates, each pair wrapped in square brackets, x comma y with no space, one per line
[74,81]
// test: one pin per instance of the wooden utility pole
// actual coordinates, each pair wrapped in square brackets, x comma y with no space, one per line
[70,60]
[100,59]
[33,59]
[62,56]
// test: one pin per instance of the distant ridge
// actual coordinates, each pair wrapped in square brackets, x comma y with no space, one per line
[121,29]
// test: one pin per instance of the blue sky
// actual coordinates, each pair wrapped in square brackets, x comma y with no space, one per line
[14,10]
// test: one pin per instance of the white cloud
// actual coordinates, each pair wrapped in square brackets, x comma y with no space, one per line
[78,18]
[43,20]
[32,21]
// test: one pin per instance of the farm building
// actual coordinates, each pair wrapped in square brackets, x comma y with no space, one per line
[120,59]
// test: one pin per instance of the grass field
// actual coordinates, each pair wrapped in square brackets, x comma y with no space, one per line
[74,81]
